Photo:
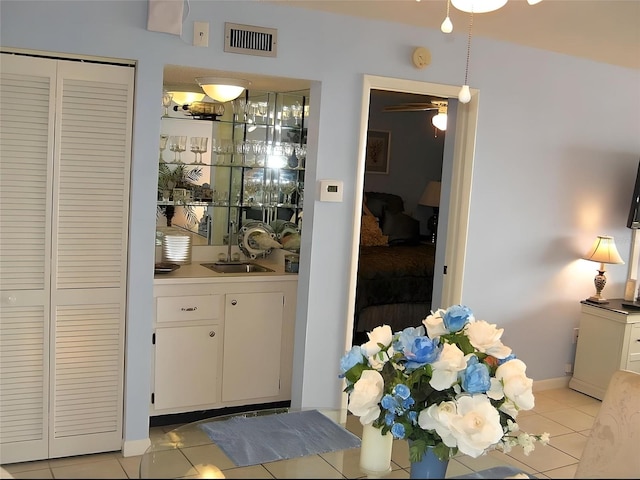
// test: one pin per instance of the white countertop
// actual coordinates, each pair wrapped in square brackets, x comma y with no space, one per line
[194,272]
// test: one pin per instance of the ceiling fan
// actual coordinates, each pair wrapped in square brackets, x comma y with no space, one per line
[439,120]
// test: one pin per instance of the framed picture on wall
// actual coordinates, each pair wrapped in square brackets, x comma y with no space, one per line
[378,147]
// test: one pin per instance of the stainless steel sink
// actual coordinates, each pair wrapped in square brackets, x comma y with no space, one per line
[233,267]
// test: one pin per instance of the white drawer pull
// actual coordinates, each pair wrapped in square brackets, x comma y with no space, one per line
[189,309]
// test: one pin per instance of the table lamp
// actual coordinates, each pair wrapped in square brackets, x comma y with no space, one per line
[603,251]
[431,198]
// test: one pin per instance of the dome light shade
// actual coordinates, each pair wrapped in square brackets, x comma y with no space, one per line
[222,89]
[440,121]
[185,98]
[478,6]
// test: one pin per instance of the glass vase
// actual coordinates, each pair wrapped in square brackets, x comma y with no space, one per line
[430,466]
[375,452]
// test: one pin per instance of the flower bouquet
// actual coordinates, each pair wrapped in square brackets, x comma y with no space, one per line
[449,385]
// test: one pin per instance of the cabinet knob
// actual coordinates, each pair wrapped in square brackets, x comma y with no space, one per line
[212,333]
[234,302]
[189,309]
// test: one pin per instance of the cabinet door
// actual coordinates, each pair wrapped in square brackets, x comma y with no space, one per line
[186,366]
[252,345]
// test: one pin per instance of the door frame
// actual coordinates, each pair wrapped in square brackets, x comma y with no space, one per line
[456,188]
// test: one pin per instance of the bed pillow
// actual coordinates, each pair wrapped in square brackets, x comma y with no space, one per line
[370,233]
[401,229]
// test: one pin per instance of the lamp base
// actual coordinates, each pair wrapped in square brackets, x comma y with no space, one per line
[595,299]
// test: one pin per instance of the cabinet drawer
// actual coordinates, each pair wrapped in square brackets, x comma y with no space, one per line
[634,340]
[185,308]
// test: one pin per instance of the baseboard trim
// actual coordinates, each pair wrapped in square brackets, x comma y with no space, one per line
[551,383]
[133,448]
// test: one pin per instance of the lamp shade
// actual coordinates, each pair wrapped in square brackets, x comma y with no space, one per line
[604,250]
[478,6]
[222,89]
[185,98]
[431,195]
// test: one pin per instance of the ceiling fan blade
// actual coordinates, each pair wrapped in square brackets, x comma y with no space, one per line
[410,108]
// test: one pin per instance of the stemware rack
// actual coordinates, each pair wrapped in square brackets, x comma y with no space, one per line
[253,168]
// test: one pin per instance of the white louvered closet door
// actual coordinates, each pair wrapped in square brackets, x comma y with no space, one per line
[26,152]
[92,156]
[87,261]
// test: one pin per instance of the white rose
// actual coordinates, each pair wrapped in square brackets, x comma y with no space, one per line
[438,418]
[477,425]
[378,360]
[486,338]
[445,369]
[435,325]
[365,397]
[381,334]
[516,385]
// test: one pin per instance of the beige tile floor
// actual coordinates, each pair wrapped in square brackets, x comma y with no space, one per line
[566,414]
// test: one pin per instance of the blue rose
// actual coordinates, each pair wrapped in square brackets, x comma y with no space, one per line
[413,417]
[423,350]
[389,418]
[476,378]
[351,359]
[405,338]
[398,431]
[456,317]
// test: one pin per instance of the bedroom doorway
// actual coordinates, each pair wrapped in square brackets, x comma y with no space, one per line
[456,187]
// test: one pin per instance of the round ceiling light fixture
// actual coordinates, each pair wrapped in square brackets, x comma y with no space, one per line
[223,89]
[478,6]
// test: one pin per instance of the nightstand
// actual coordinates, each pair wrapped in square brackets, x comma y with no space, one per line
[608,340]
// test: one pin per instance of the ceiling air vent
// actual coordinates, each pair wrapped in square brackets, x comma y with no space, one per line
[250,40]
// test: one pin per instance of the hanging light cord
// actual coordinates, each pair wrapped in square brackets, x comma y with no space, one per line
[466,70]
[448,5]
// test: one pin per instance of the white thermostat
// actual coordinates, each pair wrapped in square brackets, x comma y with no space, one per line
[331,190]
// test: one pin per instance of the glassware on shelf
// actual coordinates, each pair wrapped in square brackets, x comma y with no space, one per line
[163,145]
[177,144]
[288,186]
[301,155]
[198,147]
[167,98]
[296,112]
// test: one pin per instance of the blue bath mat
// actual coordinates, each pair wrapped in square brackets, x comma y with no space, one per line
[254,440]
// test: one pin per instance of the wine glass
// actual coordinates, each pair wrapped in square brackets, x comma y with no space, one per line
[198,147]
[288,187]
[301,155]
[296,112]
[163,145]
[177,144]
[166,102]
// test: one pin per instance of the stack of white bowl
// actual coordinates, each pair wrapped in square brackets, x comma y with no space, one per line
[176,249]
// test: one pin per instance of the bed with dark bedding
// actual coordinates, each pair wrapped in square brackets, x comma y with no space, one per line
[395,277]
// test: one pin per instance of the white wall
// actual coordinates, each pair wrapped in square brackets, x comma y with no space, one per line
[556,154]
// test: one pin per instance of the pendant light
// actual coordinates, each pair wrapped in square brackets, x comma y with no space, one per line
[447,26]
[440,120]
[465,94]
[222,89]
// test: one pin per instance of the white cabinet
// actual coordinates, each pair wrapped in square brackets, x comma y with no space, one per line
[65,156]
[252,345]
[223,342]
[608,340]
[187,361]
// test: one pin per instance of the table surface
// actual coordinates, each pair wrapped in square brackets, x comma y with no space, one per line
[187,451]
